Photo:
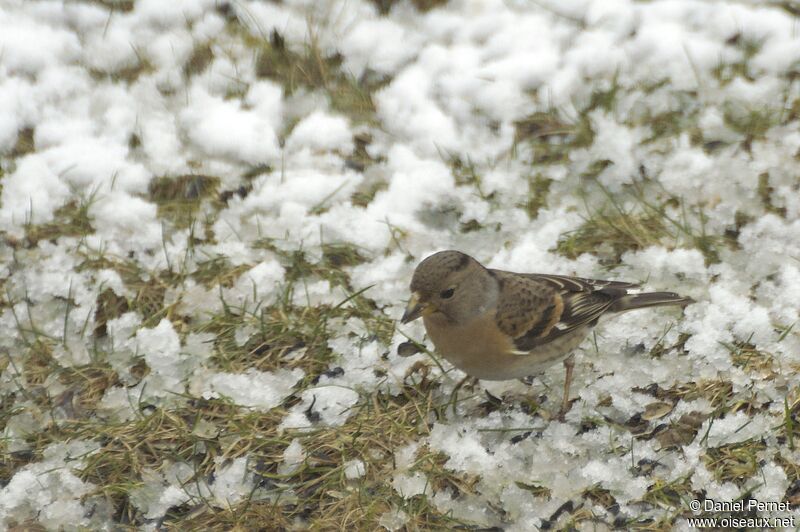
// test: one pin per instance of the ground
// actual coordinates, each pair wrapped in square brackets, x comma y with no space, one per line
[211,212]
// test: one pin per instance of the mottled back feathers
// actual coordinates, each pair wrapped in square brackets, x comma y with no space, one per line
[535,309]
[525,304]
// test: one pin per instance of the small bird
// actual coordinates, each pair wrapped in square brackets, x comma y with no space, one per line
[499,325]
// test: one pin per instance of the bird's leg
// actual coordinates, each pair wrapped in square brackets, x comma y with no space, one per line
[569,364]
[454,393]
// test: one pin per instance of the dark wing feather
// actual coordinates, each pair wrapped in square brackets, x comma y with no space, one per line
[580,309]
[577,284]
[525,304]
[538,308]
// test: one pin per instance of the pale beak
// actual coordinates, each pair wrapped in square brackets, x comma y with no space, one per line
[414,309]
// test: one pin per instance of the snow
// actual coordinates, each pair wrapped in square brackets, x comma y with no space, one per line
[394,519]
[258,284]
[409,485]
[328,405]
[30,47]
[615,143]
[733,428]
[409,111]
[173,486]
[464,447]
[224,128]
[378,44]
[49,490]
[232,482]
[354,469]
[406,482]
[662,265]
[293,456]
[111,106]
[32,193]
[169,497]
[322,132]
[161,349]
[254,389]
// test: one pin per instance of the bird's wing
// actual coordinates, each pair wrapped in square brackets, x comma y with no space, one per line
[535,309]
[525,305]
[577,284]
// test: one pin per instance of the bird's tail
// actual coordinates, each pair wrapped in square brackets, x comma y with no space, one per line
[651,299]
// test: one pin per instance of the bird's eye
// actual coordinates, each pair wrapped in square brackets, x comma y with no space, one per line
[447,294]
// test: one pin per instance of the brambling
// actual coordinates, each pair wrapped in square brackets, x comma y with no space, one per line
[499,325]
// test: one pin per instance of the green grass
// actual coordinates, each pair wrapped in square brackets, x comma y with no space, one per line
[385,6]
[70,220]
[313,69]
[179,198]
[632,220]
[549,137]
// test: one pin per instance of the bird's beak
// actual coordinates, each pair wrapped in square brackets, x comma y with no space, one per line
[415,309]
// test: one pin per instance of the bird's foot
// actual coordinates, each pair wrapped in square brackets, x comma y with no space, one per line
[566,406]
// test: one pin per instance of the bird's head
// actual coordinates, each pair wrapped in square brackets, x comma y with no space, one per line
[451,284]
